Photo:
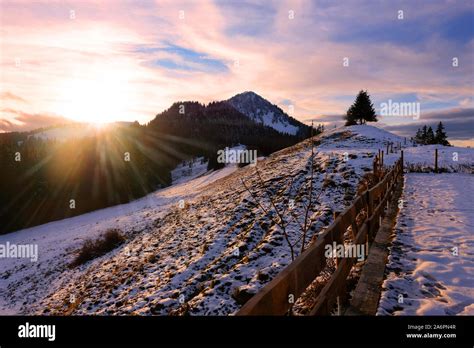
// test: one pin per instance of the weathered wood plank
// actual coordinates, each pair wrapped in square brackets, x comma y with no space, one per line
[328,295]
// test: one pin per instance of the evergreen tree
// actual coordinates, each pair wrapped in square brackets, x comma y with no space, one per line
[419,136]
[424,135]
[350,117]
[430,138]
[361,111]
[440,135]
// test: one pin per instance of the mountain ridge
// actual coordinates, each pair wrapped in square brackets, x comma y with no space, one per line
[257,109]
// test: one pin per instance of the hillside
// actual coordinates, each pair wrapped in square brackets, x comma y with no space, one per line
[98,166]
[205,258]
[201,130]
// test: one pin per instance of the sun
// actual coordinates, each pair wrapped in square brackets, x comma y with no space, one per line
[104,98]
[99,125]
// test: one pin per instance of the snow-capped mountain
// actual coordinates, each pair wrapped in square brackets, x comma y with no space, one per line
[262,111]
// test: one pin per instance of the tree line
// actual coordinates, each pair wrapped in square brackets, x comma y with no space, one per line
[45,180]
[426,136]
[200,130]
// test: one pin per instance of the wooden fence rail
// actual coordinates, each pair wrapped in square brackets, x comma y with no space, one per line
[278,296]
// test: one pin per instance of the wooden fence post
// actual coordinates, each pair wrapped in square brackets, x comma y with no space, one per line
[387,148]
[401,162]
[375,166]
[436,161]
[339,240]
[369,204]
[381,163]
[369,214]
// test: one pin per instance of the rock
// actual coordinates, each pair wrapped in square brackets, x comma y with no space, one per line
[242,295]
[262,276]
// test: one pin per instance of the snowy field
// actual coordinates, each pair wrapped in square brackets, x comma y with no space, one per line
[205,258]
[432,257]
[450,158]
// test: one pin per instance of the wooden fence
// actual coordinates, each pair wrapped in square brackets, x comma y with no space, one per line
[278,296]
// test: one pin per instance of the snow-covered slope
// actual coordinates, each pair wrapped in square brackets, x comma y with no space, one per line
[416,157]
[23,282]
[358,137]
[262,111]
[220,242]
[188,170]
[205,258]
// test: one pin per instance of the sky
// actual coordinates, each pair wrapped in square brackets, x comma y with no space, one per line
[103,61]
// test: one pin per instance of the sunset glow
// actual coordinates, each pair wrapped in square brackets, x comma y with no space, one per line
[105,99]
[102,61]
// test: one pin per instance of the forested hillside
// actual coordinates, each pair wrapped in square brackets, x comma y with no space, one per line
[46,179]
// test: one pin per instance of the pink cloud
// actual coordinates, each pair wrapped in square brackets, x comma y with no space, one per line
[23,121]
[10,96]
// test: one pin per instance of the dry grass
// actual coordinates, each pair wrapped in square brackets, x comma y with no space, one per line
[92,249]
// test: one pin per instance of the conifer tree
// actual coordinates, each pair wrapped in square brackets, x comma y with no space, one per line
[419,136]
[424,135]
[361,111]
[440,135]
[430,138]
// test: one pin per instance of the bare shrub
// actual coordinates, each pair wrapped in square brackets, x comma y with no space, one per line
[92,249]
[283,216]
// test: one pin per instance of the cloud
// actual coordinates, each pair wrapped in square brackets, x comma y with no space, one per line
[10,96]
[22,121]
[175,57]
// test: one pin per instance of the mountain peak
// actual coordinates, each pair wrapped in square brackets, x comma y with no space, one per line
[262,111]
[247,94]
